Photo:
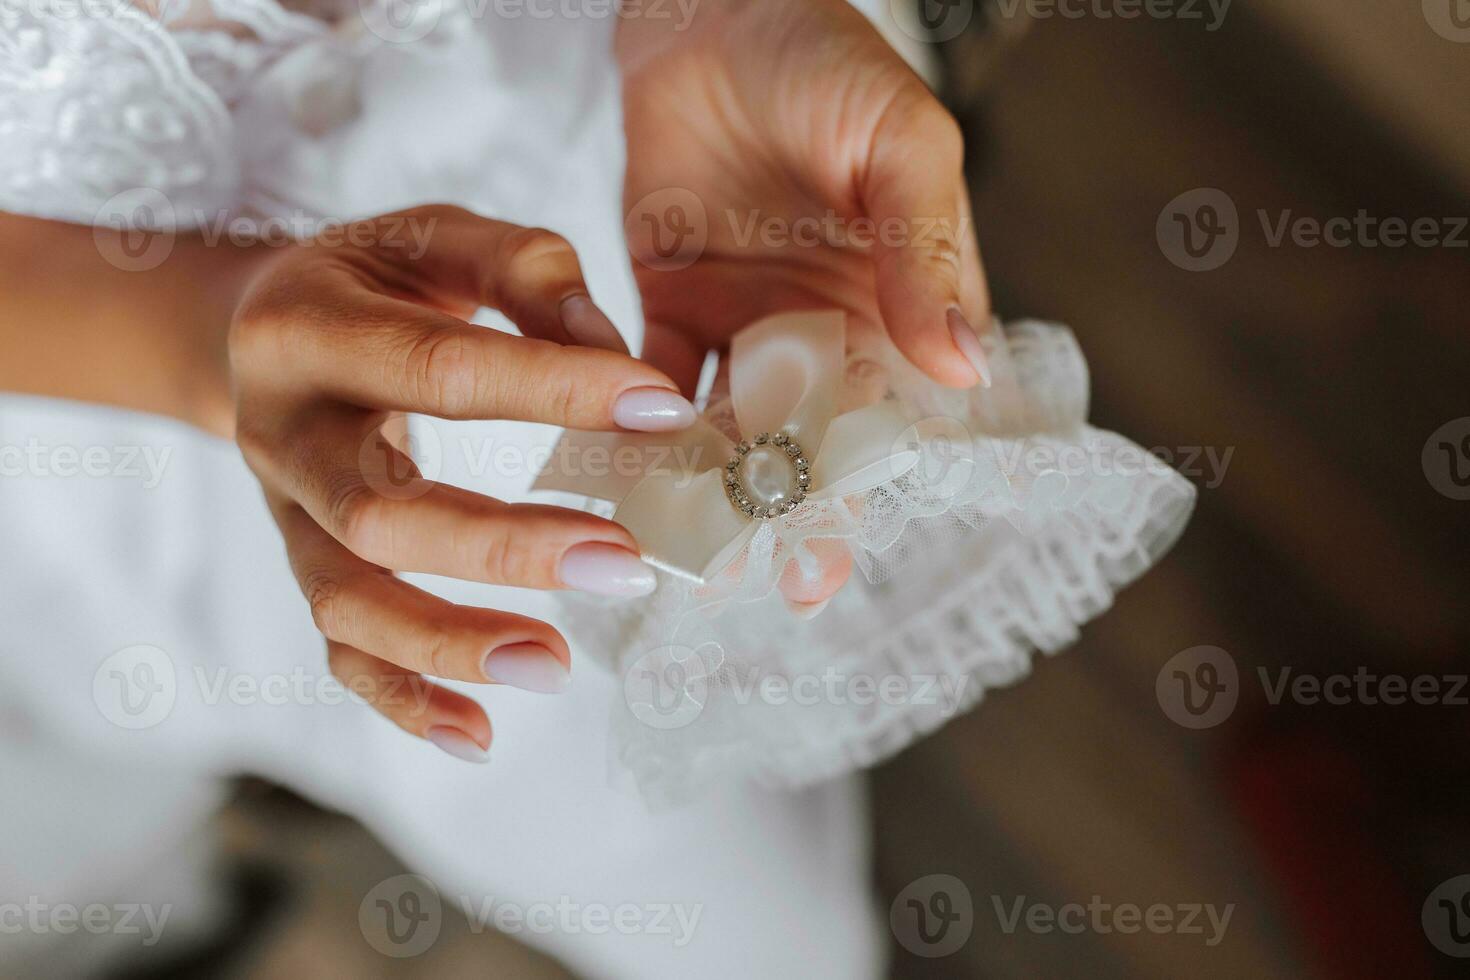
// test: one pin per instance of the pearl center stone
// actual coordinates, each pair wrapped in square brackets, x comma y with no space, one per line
[770,477]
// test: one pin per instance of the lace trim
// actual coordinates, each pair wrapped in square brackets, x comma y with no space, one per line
[973,622]
[1011,564]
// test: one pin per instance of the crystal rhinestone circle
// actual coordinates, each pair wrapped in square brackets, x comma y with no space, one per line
[769,476]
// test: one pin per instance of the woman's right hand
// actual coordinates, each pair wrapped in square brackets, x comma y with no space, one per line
[332,340]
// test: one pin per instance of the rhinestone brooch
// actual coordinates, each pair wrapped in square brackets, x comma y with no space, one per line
[758,485]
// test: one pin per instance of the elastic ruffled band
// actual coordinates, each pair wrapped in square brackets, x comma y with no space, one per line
[1044,519]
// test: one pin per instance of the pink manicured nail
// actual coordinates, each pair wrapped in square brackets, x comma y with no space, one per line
[457,743]
[606,569]
[652,410]
[968,341]
[589,326]
[528,666]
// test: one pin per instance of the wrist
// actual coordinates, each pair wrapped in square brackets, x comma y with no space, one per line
[205,397]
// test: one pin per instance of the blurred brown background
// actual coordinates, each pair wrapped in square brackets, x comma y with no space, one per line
[1322,546]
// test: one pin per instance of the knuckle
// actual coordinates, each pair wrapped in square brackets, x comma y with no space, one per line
[323,592]
[512,558]
[435,655]
[564,401]
[358,517]
[440,370]
[524,248]
[258,330]
[941,256]
[566,389]
[542,382]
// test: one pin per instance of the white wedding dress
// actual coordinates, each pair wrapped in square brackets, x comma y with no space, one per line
[515,117]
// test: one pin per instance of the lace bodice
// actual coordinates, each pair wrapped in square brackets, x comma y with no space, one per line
[100,98]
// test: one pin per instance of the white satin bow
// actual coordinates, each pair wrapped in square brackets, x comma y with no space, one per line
[786,375]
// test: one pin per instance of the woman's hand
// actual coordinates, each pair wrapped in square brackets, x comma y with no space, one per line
[331,341]
[782,156]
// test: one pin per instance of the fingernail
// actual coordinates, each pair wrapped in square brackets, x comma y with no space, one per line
[653,410]
[807,610]
[589,326]
[606,569]
[968,341]
[528,666]
[457,744]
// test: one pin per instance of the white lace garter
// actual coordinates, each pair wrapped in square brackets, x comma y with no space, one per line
[986,525]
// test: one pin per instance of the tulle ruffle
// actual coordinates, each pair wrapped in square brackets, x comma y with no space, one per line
[1019,525]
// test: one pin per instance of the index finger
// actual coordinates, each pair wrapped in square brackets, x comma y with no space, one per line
[383,353]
